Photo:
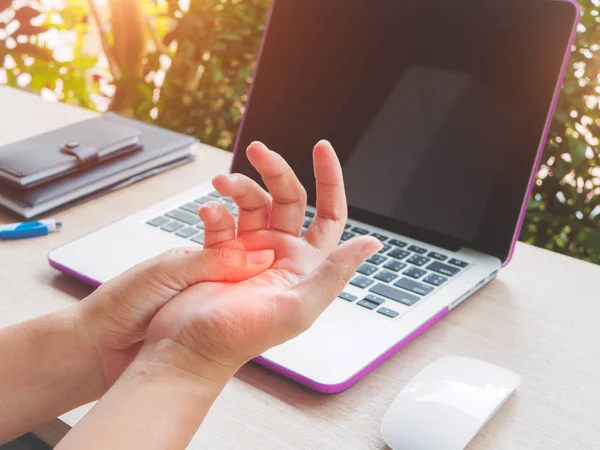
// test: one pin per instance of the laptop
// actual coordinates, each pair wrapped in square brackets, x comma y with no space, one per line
[438,111]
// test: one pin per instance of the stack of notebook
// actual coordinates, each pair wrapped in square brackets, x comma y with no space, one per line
[85,159]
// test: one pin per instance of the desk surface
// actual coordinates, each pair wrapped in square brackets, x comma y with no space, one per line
[539,318]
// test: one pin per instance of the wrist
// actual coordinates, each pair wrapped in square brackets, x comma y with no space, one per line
[88,351]
[166,356]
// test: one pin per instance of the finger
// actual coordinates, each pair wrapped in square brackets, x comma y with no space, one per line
[254,204]
[314,293]
[219,224]
[329,221]
[289,197]
[182,268]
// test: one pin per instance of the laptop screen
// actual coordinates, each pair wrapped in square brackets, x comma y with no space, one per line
[435,108]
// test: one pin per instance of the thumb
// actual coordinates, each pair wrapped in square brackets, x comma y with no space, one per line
[325,283]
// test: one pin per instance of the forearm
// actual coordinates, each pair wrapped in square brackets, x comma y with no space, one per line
[47,368]
[158,402]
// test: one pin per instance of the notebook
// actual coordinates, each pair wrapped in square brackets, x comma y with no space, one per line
[160,150]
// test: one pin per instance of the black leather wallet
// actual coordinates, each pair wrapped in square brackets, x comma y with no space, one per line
[58,153]
[160,150]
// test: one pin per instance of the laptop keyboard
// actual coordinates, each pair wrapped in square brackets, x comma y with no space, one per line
[387,283]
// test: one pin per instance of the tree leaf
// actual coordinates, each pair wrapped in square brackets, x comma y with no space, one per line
[26,29]
[593,241]
[217,73]
[228,37]
[561,116]
[534,205]
[26,13]
[562,168]
[5,4]
[39,53]
[578,149]
[170,36]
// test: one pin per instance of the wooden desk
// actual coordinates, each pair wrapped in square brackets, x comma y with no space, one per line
[539,318]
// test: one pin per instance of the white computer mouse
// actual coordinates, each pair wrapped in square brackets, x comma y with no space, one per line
[446,404]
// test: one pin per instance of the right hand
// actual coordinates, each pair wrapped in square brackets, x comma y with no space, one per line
[113,320]
[215,327]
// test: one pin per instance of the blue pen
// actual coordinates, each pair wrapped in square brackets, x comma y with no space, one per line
[28,229]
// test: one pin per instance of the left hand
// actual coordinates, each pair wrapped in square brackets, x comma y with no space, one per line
[114,319]
[211,329]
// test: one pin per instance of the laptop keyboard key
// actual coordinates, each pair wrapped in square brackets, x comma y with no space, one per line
[367,269]
[307,223]
[215,194]
[418,260]
[360,230]
[384,249]
[158,221]
[417,249]
[394,294]
[443,269]
[413,272]
[309,214]
[438,256]
[187,232]
[436,280]
[377,259]
[398,254]
[396,266]
[385,276]
[458,262]
[183,216]
[361,282]
[367,304]
[381,237]
[191,207]
[199,239]
[347,226]
[374,299]
[398,243]
[346,235]
[388,312]
[172,226]
[205,199]
[413,286]
[347,297]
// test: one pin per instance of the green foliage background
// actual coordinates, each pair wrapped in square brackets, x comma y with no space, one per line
[195,68]
[564,213]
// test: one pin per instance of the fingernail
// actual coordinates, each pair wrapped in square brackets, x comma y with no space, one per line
[260,258]
[370,249]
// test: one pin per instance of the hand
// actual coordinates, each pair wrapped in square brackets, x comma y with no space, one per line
[226,324]
[114,319]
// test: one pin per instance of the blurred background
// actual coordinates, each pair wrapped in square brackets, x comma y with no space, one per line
[187,65]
